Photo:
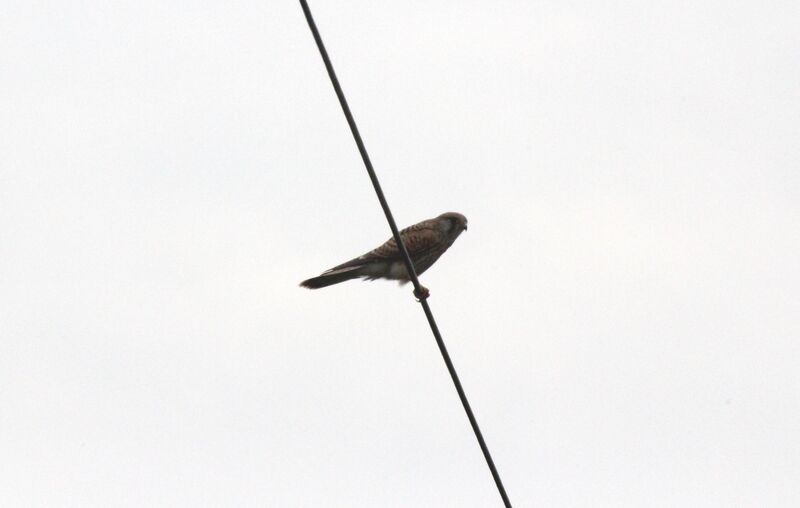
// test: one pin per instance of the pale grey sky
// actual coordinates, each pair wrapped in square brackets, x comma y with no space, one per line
[623,311]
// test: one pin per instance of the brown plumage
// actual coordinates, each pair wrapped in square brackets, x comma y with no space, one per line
[425,242]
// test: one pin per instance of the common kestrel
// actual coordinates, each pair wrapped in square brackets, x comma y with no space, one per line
[425,242]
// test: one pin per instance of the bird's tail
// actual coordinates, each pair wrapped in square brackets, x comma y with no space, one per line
[332,277]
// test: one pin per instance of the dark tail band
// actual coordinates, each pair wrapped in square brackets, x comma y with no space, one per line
[328,279]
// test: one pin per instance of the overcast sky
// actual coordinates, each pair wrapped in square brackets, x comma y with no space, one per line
[623,311]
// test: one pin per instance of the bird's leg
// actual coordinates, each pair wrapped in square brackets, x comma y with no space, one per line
[422,294]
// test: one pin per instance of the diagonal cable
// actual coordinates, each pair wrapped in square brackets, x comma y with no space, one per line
[409,265]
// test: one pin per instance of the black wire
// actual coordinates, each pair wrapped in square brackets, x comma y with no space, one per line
[409,264]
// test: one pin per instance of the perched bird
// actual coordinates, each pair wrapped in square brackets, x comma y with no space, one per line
[425,242]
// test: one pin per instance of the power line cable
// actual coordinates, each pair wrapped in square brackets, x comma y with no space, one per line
[409,264]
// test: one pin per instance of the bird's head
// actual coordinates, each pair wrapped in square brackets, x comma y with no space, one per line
[454,222]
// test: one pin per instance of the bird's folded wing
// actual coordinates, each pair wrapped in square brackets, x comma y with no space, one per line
[417,241]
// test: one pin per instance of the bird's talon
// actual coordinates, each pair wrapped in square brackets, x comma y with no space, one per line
[422,294]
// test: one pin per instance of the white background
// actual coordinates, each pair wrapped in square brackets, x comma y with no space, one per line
[623,310]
